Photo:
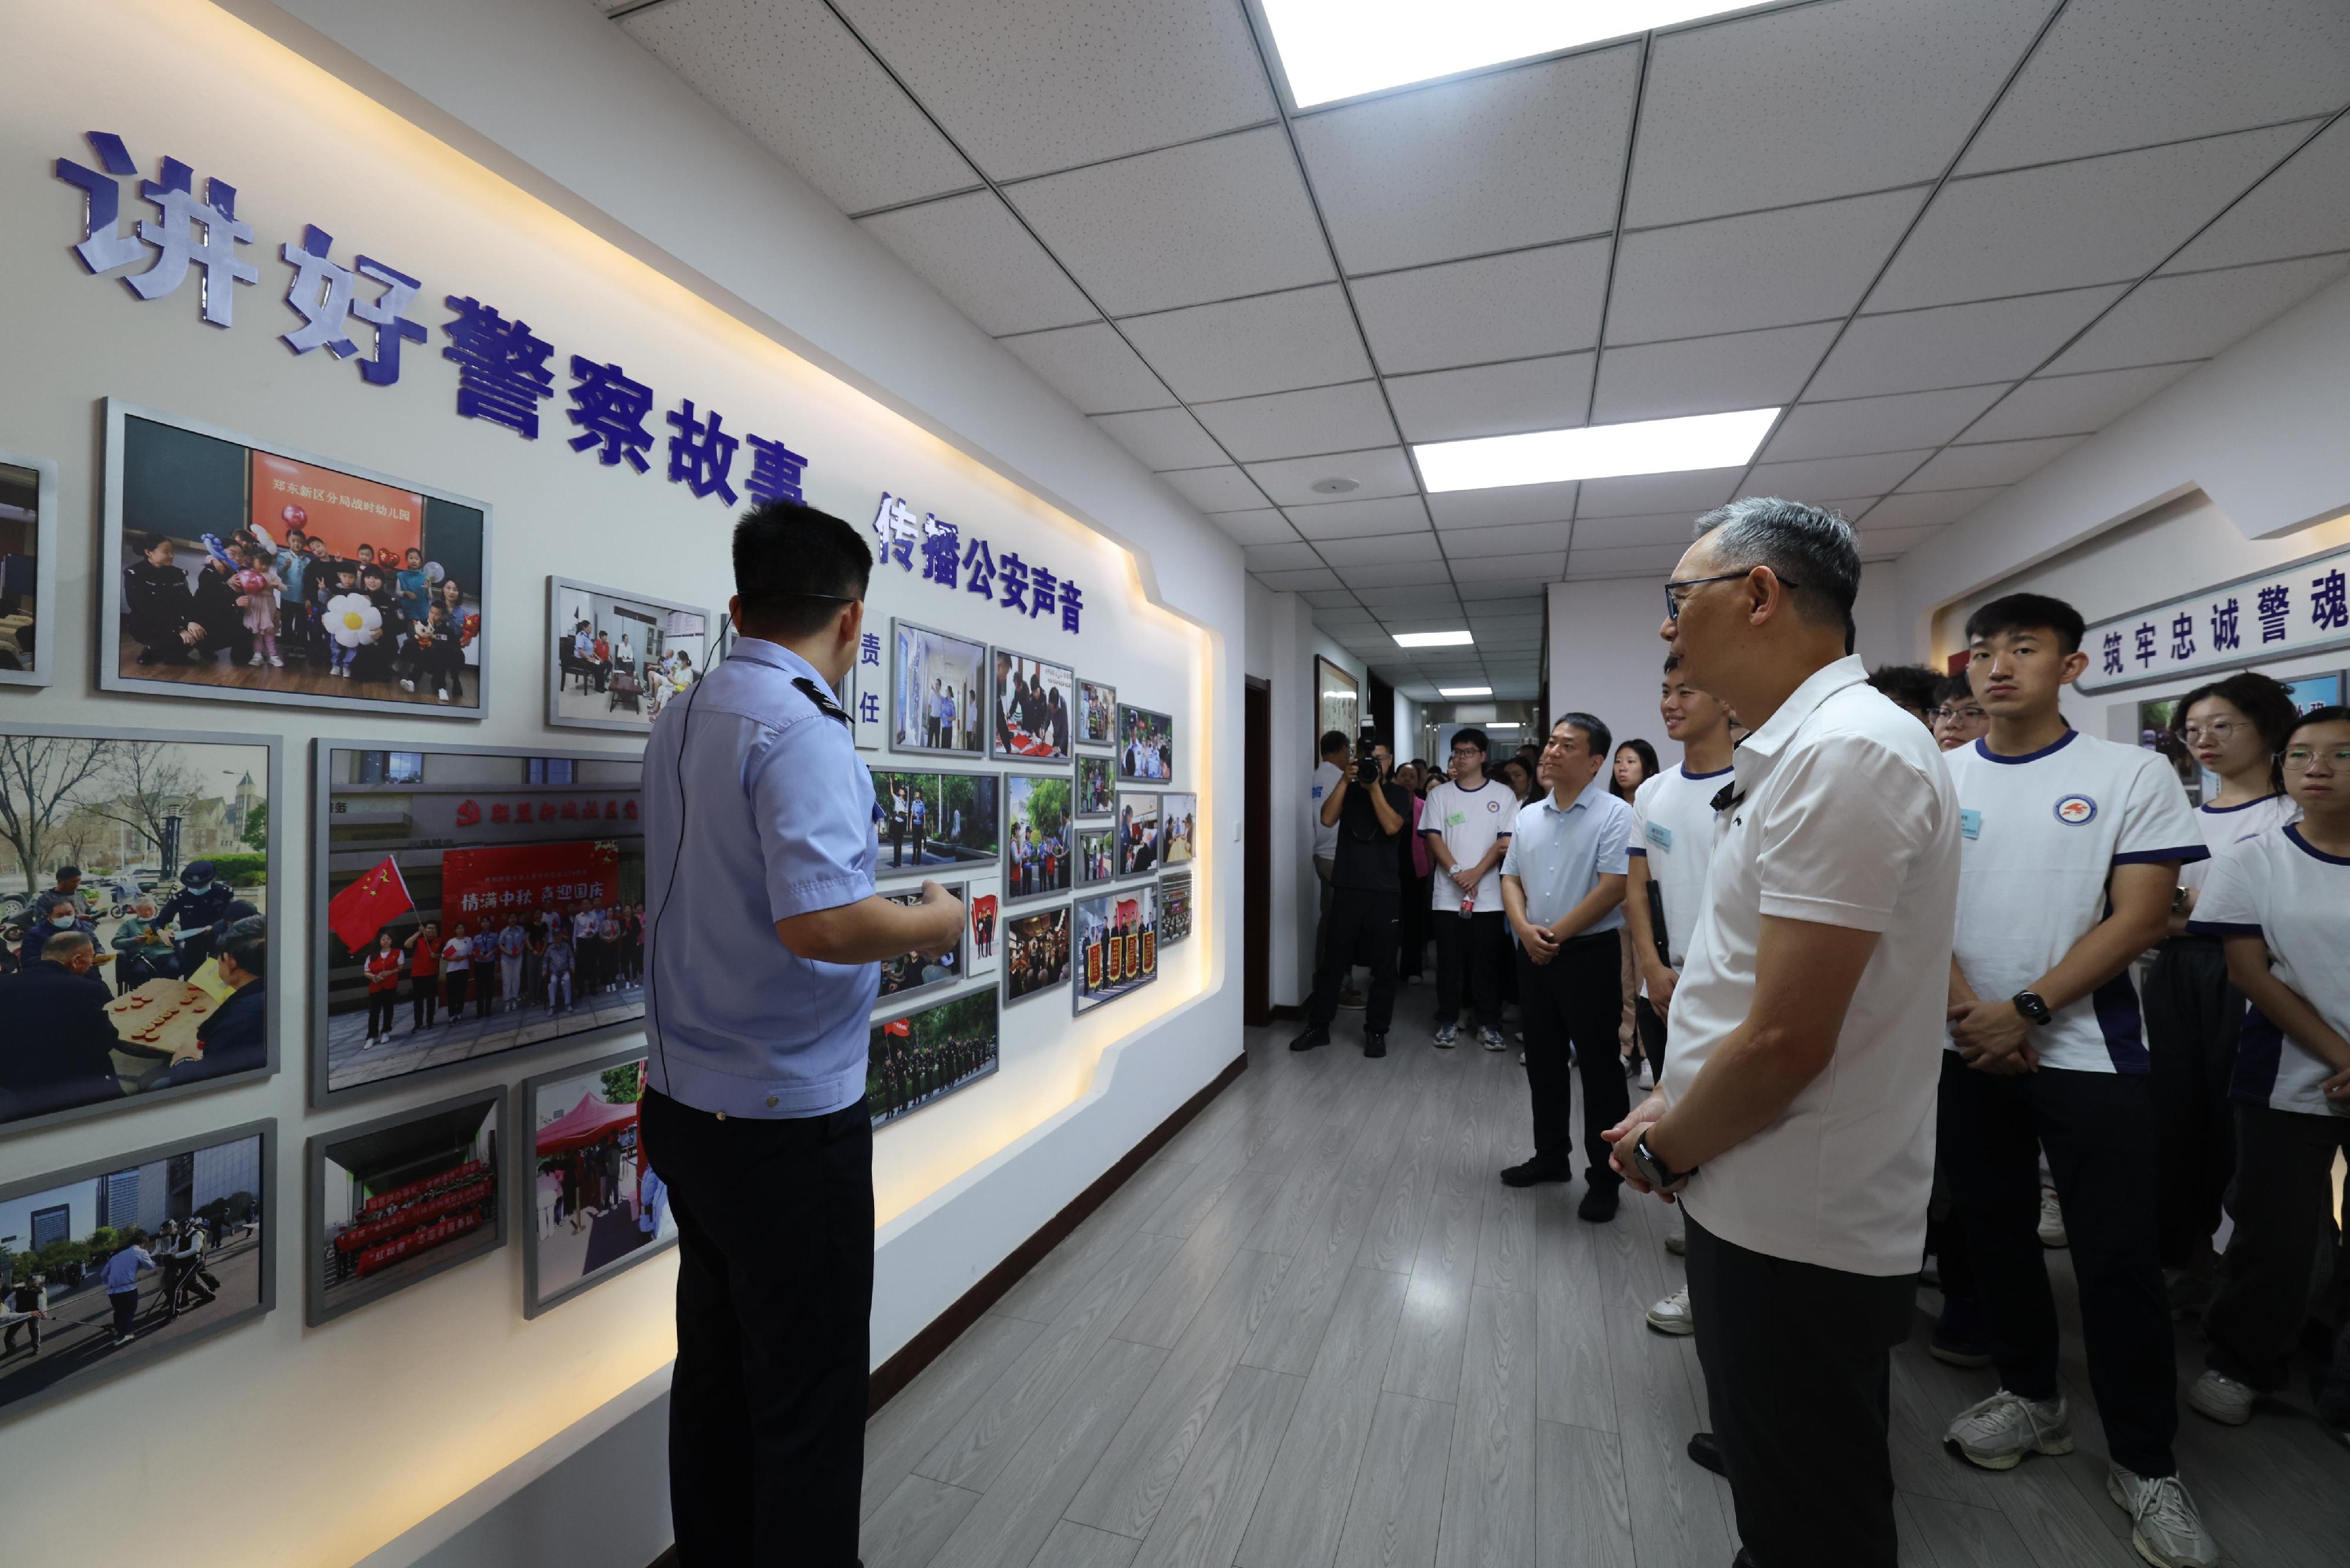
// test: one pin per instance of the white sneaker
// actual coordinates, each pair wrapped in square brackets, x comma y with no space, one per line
[2052,1219]
[2166,1528]
[1997,1432]
[1490,1039]
[276,662]
[408,685]
[255,661]
[1678,1244]
[1672,1316]
[2222,1399]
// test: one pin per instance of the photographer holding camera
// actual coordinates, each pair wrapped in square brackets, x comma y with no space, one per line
[1371,813]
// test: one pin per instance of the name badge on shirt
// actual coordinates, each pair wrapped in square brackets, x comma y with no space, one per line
[1970,824]
[1661,836]
[1455,819]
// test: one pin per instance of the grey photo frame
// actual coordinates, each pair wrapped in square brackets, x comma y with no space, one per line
[1172,885]
[110,677]
[1078,1005]
[315,1308]
[982,668]
[44,668]
[927,1004]
[555,587]
[1167,814]
[1091,693]
[959,888]
[1105,770]
[986,866]
[1108,830]
[321,1097]
[1003,838]
[996,705]
[1168,719]
[1120,870]
[281,881]
[1063,911]
[144,1350]
[525,1182]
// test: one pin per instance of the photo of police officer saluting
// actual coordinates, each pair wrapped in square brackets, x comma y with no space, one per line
[762,948]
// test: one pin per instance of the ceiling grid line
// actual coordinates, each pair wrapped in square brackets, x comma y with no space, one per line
[1615,250]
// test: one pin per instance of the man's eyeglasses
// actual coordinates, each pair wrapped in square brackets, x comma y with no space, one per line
[1674,597]
[2299,759]
[1960,716]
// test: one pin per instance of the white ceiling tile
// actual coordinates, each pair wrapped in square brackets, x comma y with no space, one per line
[1162,438]
[1547,394]
[1239,347]
[1494,307]
[1208,221]
[1224,489]
[1822,476]
[1384,550]
[1522,538]
[2073,405]
[1955,345]
[1360,519]
[1092,367]
[1634,560]
[1337,606]
[2301,210]
[1648,494]
[1261,525]
[1993,462]
[1280,557]
[1291,424]
[1738,115]
[2194,315]
[1392,574]
[1926,509]
[1675,528]
[1300,581]
[1032,85]
[2099,220]
[1877,424]
[1811,262]
[2127,73]
[1513,158]
[971,249]
[1892,543]
[1545,566]
[793,77]
[1708,375]
[1418,596]
[1381,472]
[1848,508]
[1502,505]
[1500,593]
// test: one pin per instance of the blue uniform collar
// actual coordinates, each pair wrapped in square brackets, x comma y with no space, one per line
[759,650]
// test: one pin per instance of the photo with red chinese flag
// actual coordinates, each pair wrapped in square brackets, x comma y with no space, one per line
[914,1060]
[1118,944]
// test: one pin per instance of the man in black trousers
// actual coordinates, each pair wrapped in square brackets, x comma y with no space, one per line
[1371,813]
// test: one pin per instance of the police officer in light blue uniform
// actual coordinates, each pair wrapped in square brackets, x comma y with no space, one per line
[763,961]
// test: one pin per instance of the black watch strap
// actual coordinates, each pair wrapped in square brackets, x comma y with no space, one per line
[2029,1004]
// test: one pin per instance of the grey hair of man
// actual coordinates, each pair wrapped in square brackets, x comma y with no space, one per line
[1809,549]
[66,946]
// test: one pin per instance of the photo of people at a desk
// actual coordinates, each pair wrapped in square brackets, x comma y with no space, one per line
[619,660]
[1033,719]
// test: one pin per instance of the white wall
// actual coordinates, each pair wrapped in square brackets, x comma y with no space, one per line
[1280,652]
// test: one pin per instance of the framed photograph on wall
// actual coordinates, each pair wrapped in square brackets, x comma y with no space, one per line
[1096,713]
[614,659]
[1174,907]
[467,901]
[1138,832]
[1097,786]
[1337,703]
[1146,745]
[938,692]
[1035,835]
[907,976]
[927,820]
[932,1052]
[1118,944]
[28,568]
[983,926]
[199,1220]
[137,859]
[401,1198]
[591,1206]
[1031,714]
[1179,829]
[236,571]
[1036,953]
[1097,853]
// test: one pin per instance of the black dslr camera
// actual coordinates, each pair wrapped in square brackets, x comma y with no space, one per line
[1367,762]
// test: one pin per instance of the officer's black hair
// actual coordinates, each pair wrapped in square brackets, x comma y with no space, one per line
[795,567]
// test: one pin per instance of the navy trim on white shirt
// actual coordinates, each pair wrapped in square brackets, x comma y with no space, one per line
[2240,806]
[1982,749]
[2293,833]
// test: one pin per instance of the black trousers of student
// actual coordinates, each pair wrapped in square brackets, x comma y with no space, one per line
[2283,1205]
[1650,1025]
[2098,1131]
[2192,1018]
[381,1005]
[775,1288]
[423,1000]
[1575,999]
[456,981]
[1471,948]
[1362,929]
[1798,1368]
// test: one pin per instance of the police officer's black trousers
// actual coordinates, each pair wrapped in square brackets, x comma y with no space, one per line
[775,1289]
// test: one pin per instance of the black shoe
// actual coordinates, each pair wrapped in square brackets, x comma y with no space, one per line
[1744,1559]
[1706,1454]
[1316,1034]
[1375,1045]
[1533,1172]
[1599,1205]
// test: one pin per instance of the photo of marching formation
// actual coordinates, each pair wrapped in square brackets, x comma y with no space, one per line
[1118,944]
[1096,785]
[1178,833]
[116,1263]
[1032,701]
[1036,953]
[1174,907]
[1097,855]
[135,926]
[473,903]
[1146,745]
[399,1200]
[913,1059]
[239,573]
[925,820]
[1138,832]
[1096,713]
[908,975]
[938,684]
[28,568]
[617,659]
[594,1205]
[1036,839]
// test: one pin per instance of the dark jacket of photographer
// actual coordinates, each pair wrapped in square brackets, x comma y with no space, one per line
[1366,860]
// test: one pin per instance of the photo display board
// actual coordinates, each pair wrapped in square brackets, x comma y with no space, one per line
[928,1053]
[928,821]
[1034,711]
[1146,745]
[1116,936]
[28,568]
[613,659]
[591,1203]
[1036,954]
[1036,832]
[400,1199]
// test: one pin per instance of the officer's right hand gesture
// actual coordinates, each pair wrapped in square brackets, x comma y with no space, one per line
[948,910]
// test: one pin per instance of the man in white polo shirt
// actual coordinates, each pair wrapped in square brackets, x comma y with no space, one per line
[1796,1122]
[2072,850]
[1466,824]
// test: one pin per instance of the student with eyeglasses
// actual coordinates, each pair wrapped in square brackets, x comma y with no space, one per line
[1958,719]
[2279,903]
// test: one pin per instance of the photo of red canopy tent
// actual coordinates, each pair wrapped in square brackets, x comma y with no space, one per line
[591,1121]
[590,1185]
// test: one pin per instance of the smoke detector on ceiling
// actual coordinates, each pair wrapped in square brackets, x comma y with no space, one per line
[1334,486]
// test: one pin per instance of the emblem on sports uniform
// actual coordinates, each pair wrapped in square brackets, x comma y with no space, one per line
[2076,810]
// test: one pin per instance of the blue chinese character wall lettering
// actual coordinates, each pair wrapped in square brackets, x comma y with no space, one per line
[868,650]
[610,410]
[1043,587]
[1014,572]
[2225,633]
[980,561]
[2273,605]
[775,471]
[502,369]
[2328,608]
[103,245]
[888,517]
[173,238]
[2182,636]
[2113,664]
[325,296]
[868,708]
[941,548]
[2144,637]
[701,453]
[386,314]
[1071,603]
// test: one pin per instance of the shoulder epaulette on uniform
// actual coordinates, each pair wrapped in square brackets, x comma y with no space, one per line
[824,703]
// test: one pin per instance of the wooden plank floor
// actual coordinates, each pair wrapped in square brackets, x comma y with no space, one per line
[1315,1330]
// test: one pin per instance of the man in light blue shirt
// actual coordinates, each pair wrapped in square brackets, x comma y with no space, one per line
[1563,890]
[762,950]
[121,1277]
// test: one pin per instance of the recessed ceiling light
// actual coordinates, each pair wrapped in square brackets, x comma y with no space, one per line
[1334,486]
[1464,691]
[1596,451]
[1505,724]
[1431,638]
[1338,48]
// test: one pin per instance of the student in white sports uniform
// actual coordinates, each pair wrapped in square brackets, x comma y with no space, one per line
[2070,853]
[2281,904]
[1466,826]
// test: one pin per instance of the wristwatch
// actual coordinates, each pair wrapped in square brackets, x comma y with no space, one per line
[1654,1171]
[2028,1003]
